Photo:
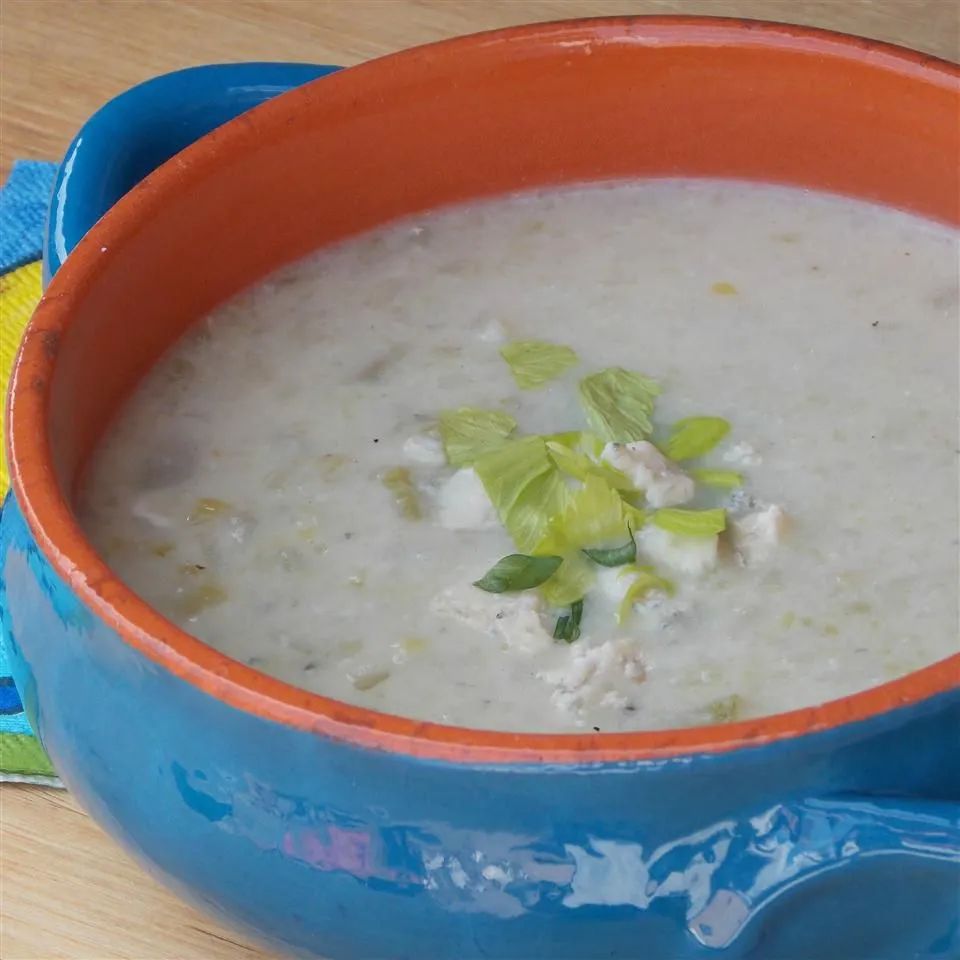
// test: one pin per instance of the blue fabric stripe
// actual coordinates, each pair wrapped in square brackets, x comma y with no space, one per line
[23,212]
[9,698]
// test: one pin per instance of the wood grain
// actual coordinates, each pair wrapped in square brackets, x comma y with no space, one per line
[67,892]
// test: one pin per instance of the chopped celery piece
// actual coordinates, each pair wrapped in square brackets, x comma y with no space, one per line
[695,436]
[593,516]
[525,488]
[636,517]
[726,709]
[725,479]
[645,581]
[399,482]
[691,523]
[207,508]
[619,403]
[570,459]
[193,602]
[469,432]
[535,362]
[572,580]
[368,679]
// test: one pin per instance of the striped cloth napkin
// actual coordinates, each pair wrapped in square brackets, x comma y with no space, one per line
[23,210]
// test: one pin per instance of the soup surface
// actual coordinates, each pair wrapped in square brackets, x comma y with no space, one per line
[278,488]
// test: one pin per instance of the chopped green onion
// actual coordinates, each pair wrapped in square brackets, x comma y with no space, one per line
[576,614]
[695,436]
[619,403]
[616,556]
[535,362]
[691,523]
[468,433]
[568,626]
[725,479]
[518,572]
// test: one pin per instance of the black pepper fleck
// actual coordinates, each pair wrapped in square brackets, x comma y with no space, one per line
[596,729]
[876,323]
[376,439]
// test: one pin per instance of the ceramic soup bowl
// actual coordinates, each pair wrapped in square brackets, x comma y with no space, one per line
[828,832]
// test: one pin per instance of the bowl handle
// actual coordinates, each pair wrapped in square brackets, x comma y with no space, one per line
[137,131]
[799,842]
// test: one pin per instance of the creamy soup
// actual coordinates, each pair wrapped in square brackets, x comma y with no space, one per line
[279,485]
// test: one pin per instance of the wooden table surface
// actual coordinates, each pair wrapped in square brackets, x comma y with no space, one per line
[65,890]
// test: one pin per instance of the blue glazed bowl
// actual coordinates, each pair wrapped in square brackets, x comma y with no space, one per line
[330,830]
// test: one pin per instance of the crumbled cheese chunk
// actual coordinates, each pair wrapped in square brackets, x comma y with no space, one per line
[740,501]
[613,582]
[662,481]
[512,618]
[424,448]
[755,536]
[678,553]
[743,455]
[463,504]
[596,675]
[657,611]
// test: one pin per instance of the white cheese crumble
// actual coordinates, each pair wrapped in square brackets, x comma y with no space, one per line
[424,448]
[755,536]
[513,618]
[678,553]
[657,611]
[613,582]
[463,504]
[594,676]
[662,481]
[743,455]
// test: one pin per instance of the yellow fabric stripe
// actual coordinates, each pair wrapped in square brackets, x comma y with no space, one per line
[19,295]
